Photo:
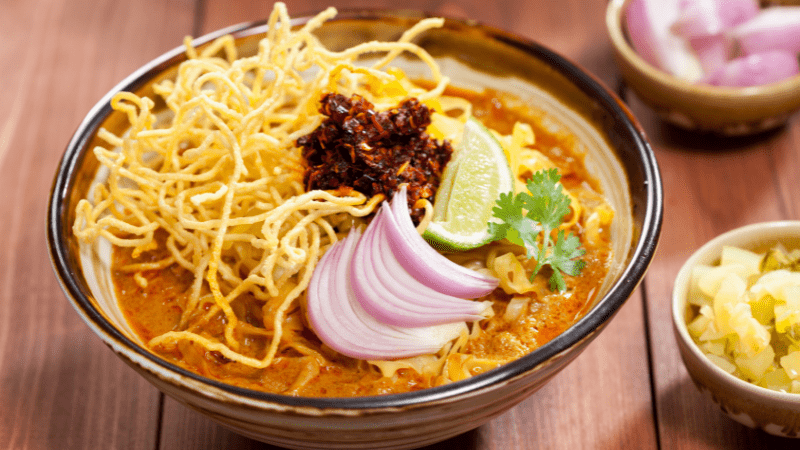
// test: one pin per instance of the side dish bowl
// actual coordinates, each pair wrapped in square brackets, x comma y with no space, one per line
[721,110]
[775,412]
[473,56]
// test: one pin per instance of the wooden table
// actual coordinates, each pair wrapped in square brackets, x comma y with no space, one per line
[61,388]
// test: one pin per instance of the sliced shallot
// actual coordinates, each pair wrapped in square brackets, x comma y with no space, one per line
[388,292]
[756,69]
[426,264]
[775,28]
[649,25]
[341,323]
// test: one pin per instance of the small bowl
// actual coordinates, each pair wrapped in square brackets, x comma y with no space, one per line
[775,412]
[473,56]
[721,110]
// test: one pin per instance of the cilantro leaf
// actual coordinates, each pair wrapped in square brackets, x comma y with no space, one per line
[546,205]
[564,256]
[517,227]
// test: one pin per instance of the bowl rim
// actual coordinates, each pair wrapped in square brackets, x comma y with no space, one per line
[643,248]
[615,12]
[752,233]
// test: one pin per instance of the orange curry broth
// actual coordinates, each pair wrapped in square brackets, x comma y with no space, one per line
[156,308]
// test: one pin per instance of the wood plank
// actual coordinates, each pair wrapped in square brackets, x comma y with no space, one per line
[603,399]
[711,185]
[785,160]
[61,387]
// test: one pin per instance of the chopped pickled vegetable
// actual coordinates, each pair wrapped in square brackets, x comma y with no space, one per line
[753,368]
[791,364]
[777,258]
[745,315]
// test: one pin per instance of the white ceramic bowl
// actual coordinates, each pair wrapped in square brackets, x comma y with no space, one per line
[473,56]
[772,411]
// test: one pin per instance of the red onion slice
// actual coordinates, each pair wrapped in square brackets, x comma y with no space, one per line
[775,28]
[390,294]
[649,23]
[712,17]
[712,51]
[755,70]
[341,323]
[426,264]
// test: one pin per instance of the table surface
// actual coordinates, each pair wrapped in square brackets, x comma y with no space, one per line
[60,387]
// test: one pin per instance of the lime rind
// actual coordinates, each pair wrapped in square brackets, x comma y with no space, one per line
[439,238]
[471,183]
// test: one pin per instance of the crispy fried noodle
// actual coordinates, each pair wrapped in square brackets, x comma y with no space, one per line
[222,175]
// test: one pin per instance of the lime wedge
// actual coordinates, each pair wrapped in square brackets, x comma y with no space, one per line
[471,183]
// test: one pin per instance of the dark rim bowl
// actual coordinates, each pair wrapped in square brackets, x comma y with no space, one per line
[614,119]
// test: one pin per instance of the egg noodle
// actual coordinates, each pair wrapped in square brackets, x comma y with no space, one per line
[219,171]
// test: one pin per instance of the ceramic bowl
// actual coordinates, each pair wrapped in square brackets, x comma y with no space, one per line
[704,108]
[474,56]
[772,411]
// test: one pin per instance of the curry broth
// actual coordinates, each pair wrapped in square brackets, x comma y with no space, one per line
[153,301]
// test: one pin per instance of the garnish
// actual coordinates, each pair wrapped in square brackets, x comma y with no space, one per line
[476,175]
[388,294]
[529,215]
[374,152]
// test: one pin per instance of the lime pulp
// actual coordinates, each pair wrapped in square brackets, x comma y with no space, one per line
[471,183]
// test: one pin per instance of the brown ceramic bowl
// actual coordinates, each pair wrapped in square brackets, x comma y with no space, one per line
[722,110]
[474,56]
[775,412]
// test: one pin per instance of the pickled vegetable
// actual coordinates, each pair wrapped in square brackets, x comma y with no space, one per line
[745,315]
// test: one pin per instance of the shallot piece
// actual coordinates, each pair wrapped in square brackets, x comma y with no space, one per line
[649,24]
[703,23]
[712,51]
[756,69]
[342,324]
[712,17]
[389,293]
[774,28]
[426,264]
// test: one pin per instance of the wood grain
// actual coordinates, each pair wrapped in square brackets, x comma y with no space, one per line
[61,388]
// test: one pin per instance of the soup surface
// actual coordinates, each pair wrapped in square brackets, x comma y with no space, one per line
[154,301]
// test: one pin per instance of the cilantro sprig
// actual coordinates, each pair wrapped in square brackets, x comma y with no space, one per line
[535,213]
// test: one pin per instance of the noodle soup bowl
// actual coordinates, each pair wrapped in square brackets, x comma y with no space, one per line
[474,57]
